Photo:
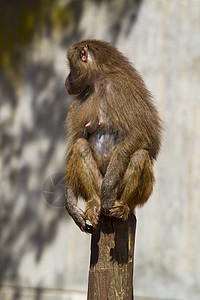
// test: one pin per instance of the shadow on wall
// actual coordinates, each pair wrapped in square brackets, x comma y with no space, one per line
[27,223]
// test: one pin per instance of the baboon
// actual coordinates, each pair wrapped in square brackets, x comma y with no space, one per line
[114,133]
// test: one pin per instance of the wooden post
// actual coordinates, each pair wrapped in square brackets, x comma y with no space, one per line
[111,261]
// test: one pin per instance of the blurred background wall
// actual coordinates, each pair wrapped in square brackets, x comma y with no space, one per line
[43,255]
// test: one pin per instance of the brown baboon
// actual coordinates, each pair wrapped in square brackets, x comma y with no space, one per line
[113,134]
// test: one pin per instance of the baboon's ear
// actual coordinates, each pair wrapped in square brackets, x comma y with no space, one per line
[84,53]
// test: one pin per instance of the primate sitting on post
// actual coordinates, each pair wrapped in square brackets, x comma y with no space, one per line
[113,135]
